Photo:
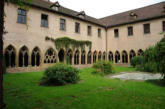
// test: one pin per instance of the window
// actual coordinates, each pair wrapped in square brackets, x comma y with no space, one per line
[62,24]
[77,27]
[116,33]
[89,30]
[163,25]
[130,31]
[146,28]
[99,32]
[44,20]
[21,16]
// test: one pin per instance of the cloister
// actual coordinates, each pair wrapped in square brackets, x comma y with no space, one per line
[34,58]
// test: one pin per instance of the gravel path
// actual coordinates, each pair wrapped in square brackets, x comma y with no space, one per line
[137,76]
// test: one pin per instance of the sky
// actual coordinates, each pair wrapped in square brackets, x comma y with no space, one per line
[103,8]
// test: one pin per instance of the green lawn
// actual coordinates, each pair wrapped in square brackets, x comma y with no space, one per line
[22,91]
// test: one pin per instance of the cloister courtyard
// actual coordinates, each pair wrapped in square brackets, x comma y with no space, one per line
[22,91]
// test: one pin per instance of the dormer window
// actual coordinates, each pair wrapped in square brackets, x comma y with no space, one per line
[81,14]
[133,15]
[55,6]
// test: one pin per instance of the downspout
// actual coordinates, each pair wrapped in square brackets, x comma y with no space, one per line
[106,42]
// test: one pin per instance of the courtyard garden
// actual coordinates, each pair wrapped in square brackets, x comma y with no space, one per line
[92,91]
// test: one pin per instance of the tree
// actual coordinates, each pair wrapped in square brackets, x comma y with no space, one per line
[160,47]
[1,51]
[2,5]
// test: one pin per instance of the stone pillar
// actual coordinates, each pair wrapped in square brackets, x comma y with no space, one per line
[129,58]
[86,59]
[91,58]
[29,59]
[17,59]
[72,58]
[80,58]
[120,58]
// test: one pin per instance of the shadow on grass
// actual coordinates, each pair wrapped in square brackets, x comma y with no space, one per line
[159,82]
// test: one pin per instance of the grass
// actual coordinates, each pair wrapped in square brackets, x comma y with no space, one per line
[22,91]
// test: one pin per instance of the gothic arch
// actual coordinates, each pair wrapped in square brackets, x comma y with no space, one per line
[132,54]
[76,57]
[117,57]
[69,57]
[94,56]
[110,56]
[35,57]
[89,57]
[61,55]
[83,57]
[140,52]
[23,57]
[10,56]
[104,55]
[50,56]
[99,56]
[124,57]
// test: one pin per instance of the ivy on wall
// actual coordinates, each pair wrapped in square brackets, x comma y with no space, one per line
[65,42]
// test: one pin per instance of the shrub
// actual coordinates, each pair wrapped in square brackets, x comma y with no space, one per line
[150,67]
[138,62]
[103,67]
[60,74]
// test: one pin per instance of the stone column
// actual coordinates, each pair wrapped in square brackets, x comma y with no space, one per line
[129,58]
[91,58]
[72,58]
[17,59]
[86,59]
[80,58]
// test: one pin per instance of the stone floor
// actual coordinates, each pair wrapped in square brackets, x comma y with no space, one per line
[137,76]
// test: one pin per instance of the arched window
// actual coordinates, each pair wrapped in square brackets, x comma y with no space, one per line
[10,56]
[35,57]
[132,54]
[140,52]
[83,57]
[76,57]
[117,57]
[99,56]
[110,56]
[89,57]
[104,56]
[23,57]
[94,56]
[124,57]
[69,57]
[50,56]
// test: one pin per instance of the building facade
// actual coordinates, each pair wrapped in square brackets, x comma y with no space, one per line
[115,38]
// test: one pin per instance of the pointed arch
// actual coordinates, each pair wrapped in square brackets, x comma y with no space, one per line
[140,52]
[61,55]
[23,57]
[132,54]
[83,57]
[50,56]
[94,57]
[124,57]
[76,57]
[117,57]
[10,56]
[104,55]
[99,56]
[110,56]
[35,57]
[89,57]
[69,57]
